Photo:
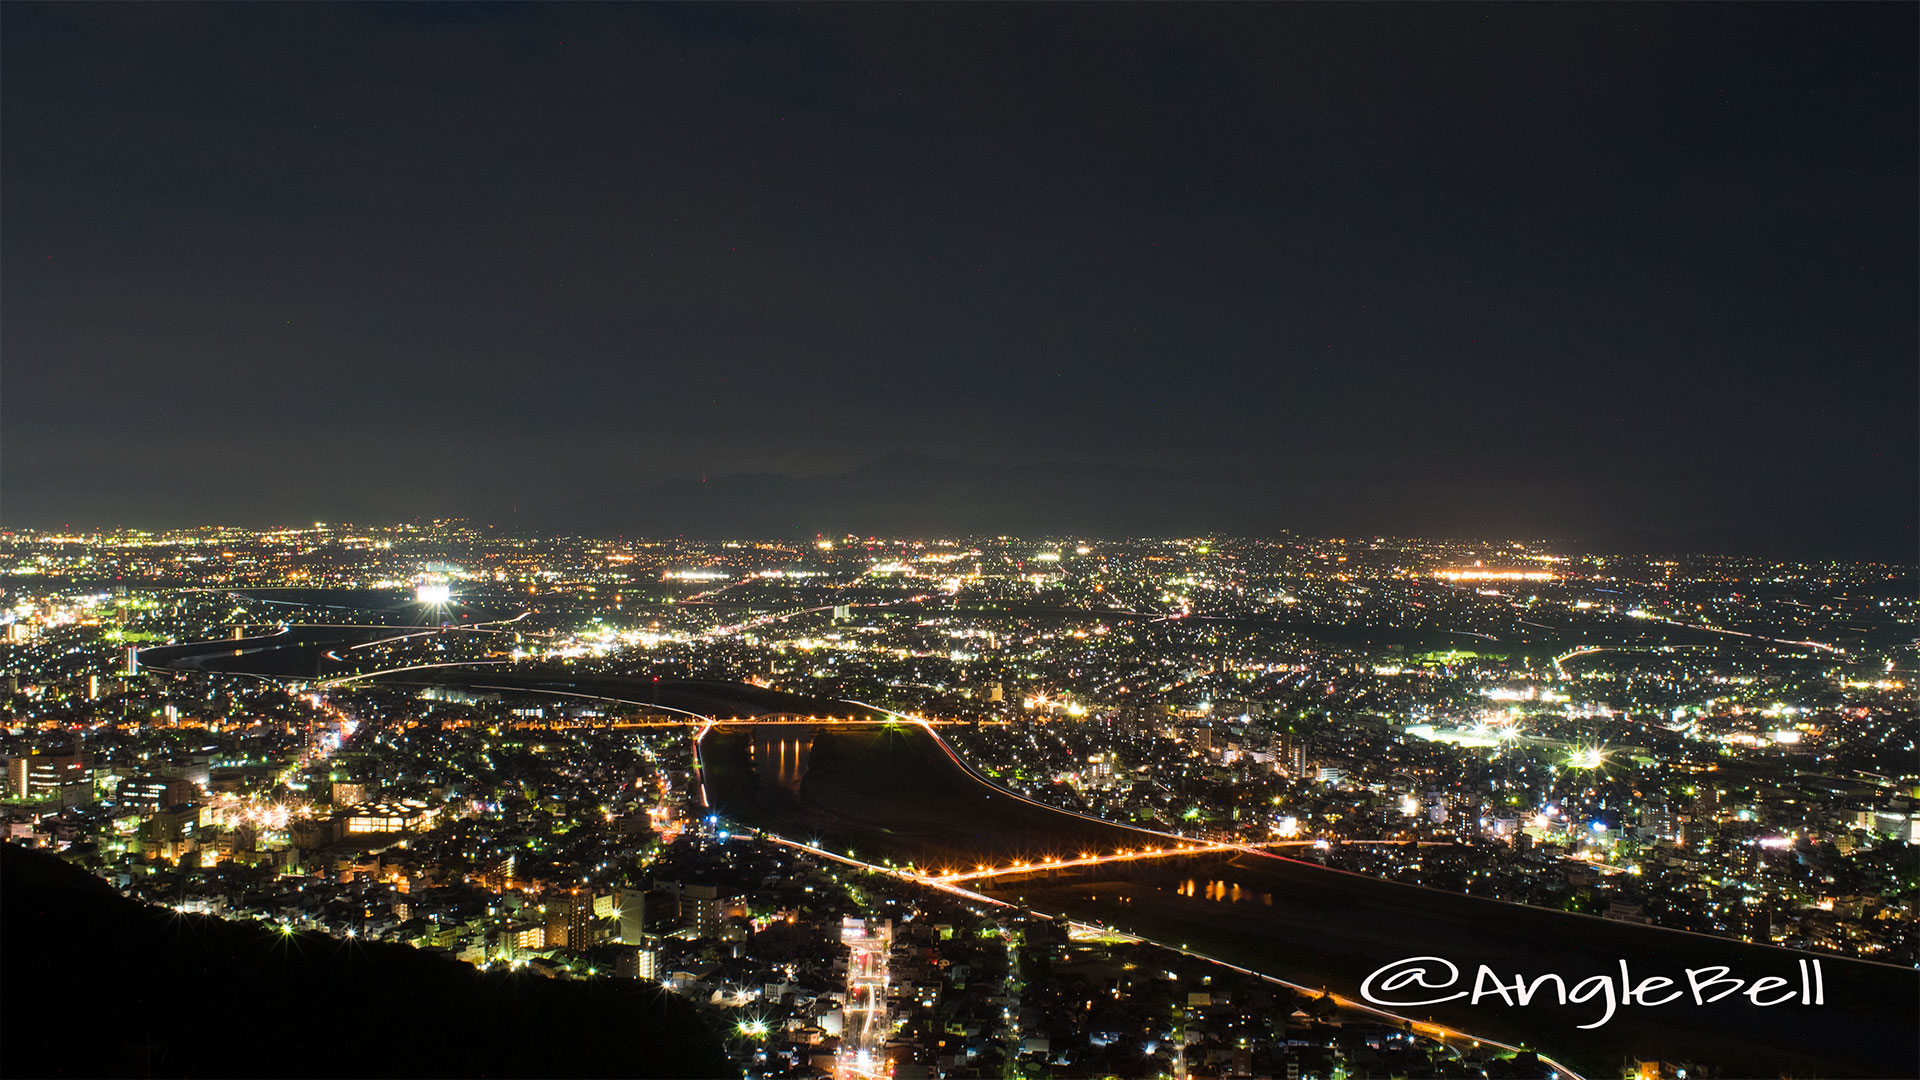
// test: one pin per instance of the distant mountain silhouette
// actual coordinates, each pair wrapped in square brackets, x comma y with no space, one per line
[905,494]
[1807,541]
[917,494]
[910,494]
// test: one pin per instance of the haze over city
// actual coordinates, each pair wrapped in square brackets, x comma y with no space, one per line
[1624,274]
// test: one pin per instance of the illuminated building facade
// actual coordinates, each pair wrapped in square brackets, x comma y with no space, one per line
[637,962]
[148,794]
[384,817]
[42,776]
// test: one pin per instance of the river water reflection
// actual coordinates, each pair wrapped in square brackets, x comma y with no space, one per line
[1226,892]
[781,761]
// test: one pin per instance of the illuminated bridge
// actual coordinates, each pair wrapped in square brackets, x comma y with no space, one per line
[1123,855]
[898,800]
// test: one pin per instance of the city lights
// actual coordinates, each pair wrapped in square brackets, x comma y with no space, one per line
[571,755]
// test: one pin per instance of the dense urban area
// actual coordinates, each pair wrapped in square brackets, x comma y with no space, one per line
[1712,744]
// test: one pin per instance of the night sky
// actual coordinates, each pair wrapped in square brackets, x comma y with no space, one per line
[1568,270]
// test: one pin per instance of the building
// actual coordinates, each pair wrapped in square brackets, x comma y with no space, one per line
[694,907]
[637,962]
[310,833]
[700,908]
[632,906]
[1290,754]
[570,923]
[1658,821]
[583,930]
[170,833]
[522,937]
[151,794]
[382,817]
[42,776]
[1100,771]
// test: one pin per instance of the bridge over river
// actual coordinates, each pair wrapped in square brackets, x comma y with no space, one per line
[901,795]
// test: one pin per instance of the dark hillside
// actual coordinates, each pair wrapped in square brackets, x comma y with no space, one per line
[99,985]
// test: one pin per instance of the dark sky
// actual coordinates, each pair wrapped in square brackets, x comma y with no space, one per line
[1583,267]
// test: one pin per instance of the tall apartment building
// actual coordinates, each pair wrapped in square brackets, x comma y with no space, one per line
[43,776]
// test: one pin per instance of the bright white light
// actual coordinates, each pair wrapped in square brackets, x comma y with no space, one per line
[1587,757]
[431,592]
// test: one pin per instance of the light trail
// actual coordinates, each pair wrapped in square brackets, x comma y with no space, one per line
[425,631]
[1589,650]
[1215,847]
[761,620]
[499,622]
[1045,865]
[1440,1031]
[893,871]
[344,680]
[1578,652]
[707,722]
[699,770]
[1742,633]
[863,1051]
